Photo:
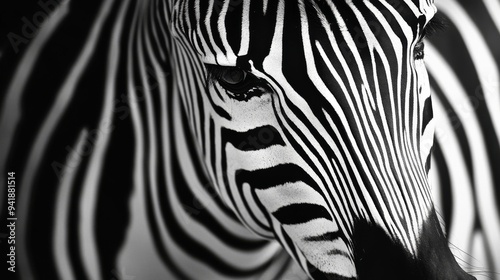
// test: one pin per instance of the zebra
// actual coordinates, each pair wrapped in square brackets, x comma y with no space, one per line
[463,64]
[174,143]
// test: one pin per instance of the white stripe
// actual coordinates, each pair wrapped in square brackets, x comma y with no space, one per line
[493,7]
[245,29]
[60,237]
[265,4]
[221,24]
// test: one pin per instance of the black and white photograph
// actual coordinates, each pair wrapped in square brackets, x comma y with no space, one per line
[250,140]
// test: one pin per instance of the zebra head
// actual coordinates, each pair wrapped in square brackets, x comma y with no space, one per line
[314,121]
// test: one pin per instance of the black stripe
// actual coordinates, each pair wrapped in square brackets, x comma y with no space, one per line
[301,213]
[427,114]
[445,186]
[276,175]
[329,236]
[253,139]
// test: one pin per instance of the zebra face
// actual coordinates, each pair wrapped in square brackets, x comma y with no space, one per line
[315,125]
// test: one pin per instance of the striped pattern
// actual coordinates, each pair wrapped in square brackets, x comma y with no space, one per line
[348,108]
[131,163]
[464,63]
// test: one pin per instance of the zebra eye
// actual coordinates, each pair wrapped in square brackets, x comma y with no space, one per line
[233,76]
[238,83]
[418,52]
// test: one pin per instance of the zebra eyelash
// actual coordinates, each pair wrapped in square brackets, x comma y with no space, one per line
[419,50]
[216,72]
[435,26]
[242,90]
